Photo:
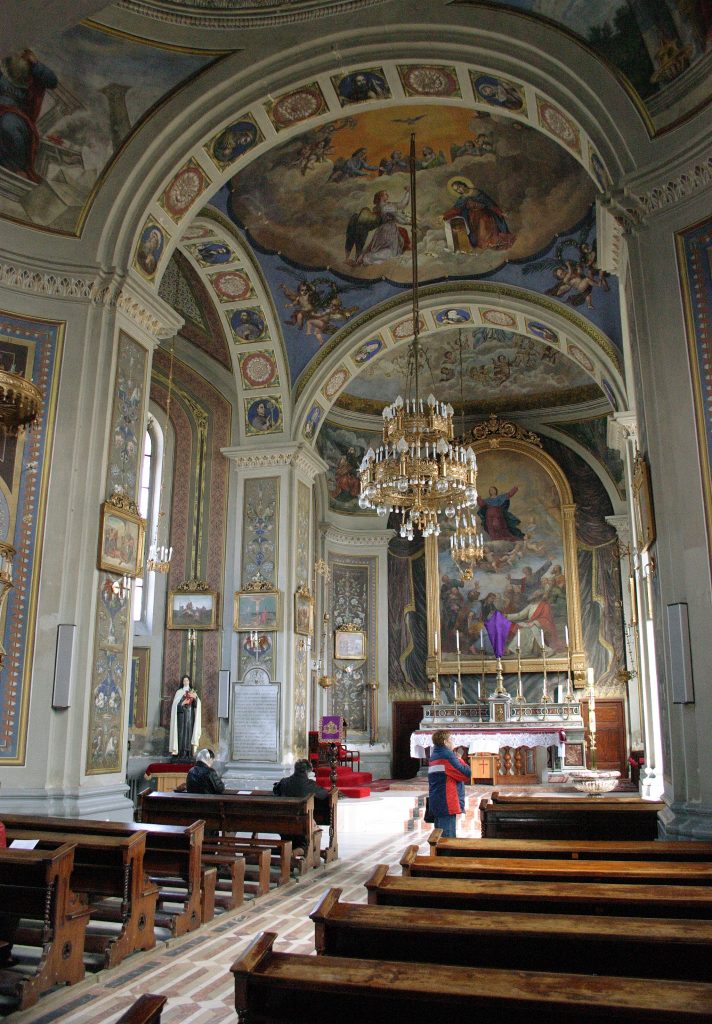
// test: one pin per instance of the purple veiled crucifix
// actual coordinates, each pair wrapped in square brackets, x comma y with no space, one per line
[498,627]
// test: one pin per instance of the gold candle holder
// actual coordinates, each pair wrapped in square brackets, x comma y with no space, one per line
[519,699]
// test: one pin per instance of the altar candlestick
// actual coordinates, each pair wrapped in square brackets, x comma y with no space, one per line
[519,639]
[482,639]
[541,632]
[457,640]
[566,635]
[435,643]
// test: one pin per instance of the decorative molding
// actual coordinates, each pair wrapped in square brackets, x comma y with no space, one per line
[697,176]
[494,427]
[250,15]
[45,282]
[335,535]
[108,292]
[633,208]
[622,428]
[297,456]
[609,239]
[621,524]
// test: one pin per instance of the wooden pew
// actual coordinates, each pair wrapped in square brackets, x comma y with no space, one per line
[271,987]
[579,944]
[259,854]
[531,869]
[683,901]
[35,896]
[146,1010]
[616,818]
[172,858]
[592,849]
[257,813]
[110,871]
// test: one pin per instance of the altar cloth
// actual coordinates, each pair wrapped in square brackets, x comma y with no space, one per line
[488,740]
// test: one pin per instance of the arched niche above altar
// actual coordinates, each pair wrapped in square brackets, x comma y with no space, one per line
[529,571]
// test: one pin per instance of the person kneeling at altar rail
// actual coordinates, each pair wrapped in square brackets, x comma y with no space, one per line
[202,777]
[447,775]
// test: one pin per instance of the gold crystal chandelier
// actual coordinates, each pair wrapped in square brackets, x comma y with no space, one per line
[20,401]
[418,471]
[467,545]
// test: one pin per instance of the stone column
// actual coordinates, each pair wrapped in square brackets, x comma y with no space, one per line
[358,594]
[623,437]
[274,545]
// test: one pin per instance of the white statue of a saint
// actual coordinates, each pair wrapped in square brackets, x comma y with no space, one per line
[184,734]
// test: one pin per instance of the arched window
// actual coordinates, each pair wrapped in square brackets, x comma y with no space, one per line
[148,503]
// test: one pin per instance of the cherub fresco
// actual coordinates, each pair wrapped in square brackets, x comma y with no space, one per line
[575,269]
[317,307]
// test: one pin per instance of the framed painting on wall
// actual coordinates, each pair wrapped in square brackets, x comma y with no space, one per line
[121,537]
[256,610]
[349,645]
[303,612]
[192,609]
[643,504]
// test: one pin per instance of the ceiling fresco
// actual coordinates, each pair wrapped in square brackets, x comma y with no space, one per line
[652,42]
[80,92]
[327,215]
[502,370]
[490,189]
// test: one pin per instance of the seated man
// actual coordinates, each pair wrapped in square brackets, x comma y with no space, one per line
[299,784]
[202,777]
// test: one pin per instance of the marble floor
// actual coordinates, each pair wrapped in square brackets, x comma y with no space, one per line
[194,971]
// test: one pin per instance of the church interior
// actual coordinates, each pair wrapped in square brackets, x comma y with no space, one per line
[253,255]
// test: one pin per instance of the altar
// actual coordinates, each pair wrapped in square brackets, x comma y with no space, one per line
[519,734]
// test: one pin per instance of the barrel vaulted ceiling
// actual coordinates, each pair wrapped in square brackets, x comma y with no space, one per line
[283,234]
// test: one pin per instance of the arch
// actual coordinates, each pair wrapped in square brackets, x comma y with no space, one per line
[575,337]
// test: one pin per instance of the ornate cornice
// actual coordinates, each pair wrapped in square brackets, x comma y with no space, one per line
[56,284]
[632,207]
[494,427]
[296,456]
[622,428]
[696,176]
[107,291]
[334,535]
[248,15]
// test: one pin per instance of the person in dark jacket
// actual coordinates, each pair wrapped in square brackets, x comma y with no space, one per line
[299,784]
[447,776]
[202,777]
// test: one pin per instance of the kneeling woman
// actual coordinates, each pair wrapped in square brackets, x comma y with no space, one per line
[447,775]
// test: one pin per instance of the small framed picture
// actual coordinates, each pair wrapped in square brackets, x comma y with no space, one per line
[643,503]
[303,612]
[121,538]
[349,645]
[192,609]
[256,609]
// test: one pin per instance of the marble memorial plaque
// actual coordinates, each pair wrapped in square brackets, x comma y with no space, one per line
[255,722]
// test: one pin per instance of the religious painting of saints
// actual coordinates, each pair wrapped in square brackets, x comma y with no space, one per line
[303,612]
[150,248]
[523,572]
[643,504]
[140,662]
[343,449]
[263,415]
[498,92]
[359,86]
[233,141]
[349,645]
[256,610]
[121,537]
